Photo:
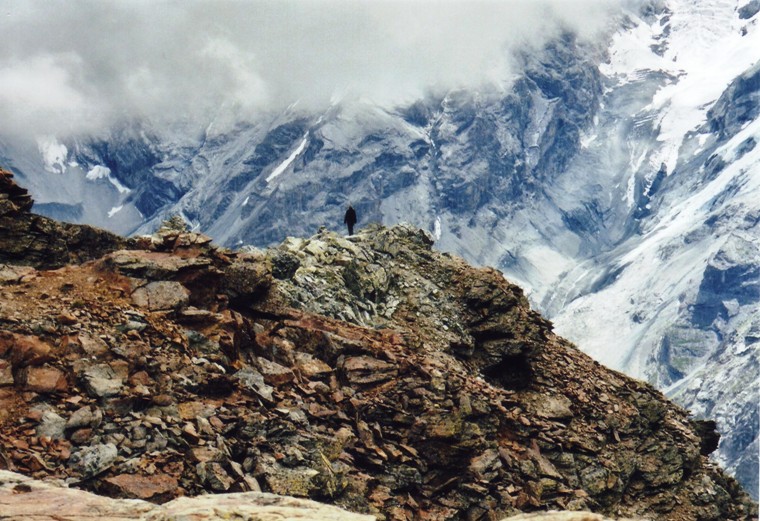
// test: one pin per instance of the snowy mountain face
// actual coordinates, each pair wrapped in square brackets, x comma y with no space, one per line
[617,184]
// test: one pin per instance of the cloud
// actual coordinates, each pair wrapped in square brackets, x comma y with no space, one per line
[70,67]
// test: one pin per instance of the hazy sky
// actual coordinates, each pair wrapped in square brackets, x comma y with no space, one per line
[76,65]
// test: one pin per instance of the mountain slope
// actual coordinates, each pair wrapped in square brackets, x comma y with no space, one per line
[179,368]
[615,182]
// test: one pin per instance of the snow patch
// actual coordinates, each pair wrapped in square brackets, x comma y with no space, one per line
[437,229]
[245,203]
[103,172]
[292,157]
[98,172]
[113,211]
[120,187]
[54,154]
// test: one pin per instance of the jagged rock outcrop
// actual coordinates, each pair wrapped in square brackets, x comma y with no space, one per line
[32,240]
[369,372]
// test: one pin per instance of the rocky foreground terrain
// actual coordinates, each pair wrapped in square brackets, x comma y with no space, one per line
[369,372]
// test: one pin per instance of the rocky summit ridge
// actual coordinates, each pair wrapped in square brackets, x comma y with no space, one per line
[369,372]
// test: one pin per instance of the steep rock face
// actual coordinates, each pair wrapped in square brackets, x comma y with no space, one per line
[179,368]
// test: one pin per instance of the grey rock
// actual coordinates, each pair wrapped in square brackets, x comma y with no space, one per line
[91,461]
[84,417]
[161,296]
[52,425]
[254,381]
[102,381]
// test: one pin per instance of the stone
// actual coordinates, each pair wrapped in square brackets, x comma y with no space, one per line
[81,436]
[195,409]
[43,379]
[254,381]
[485,466]
[6,373]
[157,487]
[91,461]
[25,350]
[151,265]
[163,400]
[92,345]
[299,482]
[14,274]
[708,435]
[247,278]
[51,425]
[204,454]
[84,417]
[310,366]
[67,319]
[556,407]
[161,296]
[102,381]
[274,373]
[214,476]
[367,370]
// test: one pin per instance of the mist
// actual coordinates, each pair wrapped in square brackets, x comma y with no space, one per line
[69,68]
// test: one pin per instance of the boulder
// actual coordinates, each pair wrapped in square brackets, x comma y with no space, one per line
[161,296]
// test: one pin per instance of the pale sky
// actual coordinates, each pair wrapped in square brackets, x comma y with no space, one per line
[78,66]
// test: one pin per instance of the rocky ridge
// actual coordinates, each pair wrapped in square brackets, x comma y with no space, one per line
[33,240]
[369,372]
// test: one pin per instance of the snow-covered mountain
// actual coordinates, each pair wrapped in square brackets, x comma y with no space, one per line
[617,183]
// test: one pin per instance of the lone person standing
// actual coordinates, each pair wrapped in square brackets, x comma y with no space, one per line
[350,219]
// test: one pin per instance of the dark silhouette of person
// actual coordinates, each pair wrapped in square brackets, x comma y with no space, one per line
[350,219]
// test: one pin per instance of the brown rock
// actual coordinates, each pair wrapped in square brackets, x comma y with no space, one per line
[67,319]
[192,410]
[204,454]
[81,436]
[25,349]
[154,488]
[311,367]
[367,370]
[6,373]
[274,373]
[44,379]
[163,400]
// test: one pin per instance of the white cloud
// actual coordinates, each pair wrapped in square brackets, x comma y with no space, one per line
[74,66]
